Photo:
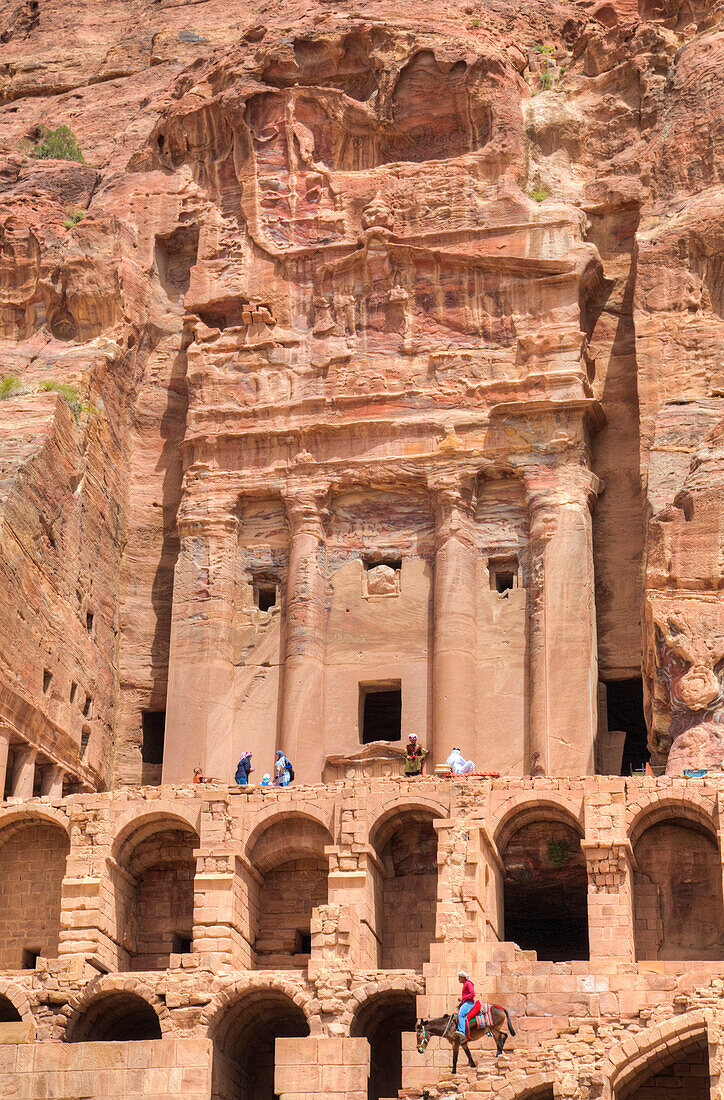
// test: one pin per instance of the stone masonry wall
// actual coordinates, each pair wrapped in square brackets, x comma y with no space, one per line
[594,1026]
[175,1069]
[32,868]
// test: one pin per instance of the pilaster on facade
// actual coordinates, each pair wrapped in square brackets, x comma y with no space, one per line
[305,615]
[454,642]
[563,705]
[200,712]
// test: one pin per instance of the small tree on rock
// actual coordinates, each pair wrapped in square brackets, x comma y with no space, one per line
[60,144]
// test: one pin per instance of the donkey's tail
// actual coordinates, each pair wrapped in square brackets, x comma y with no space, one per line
[511,1029]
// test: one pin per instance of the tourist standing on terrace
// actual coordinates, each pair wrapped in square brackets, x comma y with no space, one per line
[414,756]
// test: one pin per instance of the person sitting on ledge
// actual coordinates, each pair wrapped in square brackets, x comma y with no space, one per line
[198,777]
[243,768]
[284,770]
[458,764]
[414,756]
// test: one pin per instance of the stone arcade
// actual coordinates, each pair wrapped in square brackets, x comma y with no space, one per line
[192,941]
[365,379]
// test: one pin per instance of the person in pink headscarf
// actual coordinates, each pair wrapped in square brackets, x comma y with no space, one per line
[243,769]
[414,756]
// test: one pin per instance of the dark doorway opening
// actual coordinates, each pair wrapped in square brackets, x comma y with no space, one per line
[152,748]
[382,1021]
[265,596]
[30,957]
[381,713]
[625,711]
[503,574]
[8,1012]
[546,891]
[244,1044]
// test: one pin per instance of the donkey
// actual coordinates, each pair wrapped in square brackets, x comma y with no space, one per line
[447,1028]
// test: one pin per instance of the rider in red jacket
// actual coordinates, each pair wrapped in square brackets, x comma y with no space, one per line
[467,999]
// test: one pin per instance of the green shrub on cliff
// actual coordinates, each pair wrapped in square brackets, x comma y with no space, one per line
[60,144]
[10,386]
[69,394]
[74,217]
[545,79]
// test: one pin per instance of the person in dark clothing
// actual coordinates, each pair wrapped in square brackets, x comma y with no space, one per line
[243,768]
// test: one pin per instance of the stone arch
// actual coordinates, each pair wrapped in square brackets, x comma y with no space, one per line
[657,807]
[405,843]
[631,1064]
[116,1008]
[381,1018]
[133,828]
[291,868]
[153,882]
[678,902]
[244,1023]
[531,1086]
[529,805]
[32,869]
[14,1004]
[545,880]
[251,984]
[14,818]
[403,803]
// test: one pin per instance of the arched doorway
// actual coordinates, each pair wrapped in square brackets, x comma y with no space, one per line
[679,1072]
[155,899]
[289,857]
[406,846]
[545,887]
[678,911]
[244,1034]
[381,1020]
[33,855]
[115,1016]
[8,1011]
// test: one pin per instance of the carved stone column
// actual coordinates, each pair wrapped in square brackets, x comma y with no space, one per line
[23,771]
[563,644]
[52,782]
[304,623]
[4,754]
[454,668]
[200,700]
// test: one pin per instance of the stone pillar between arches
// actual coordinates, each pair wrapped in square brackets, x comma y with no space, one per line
[610,866]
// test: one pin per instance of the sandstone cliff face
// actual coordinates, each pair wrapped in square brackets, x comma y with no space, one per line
[318,237]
